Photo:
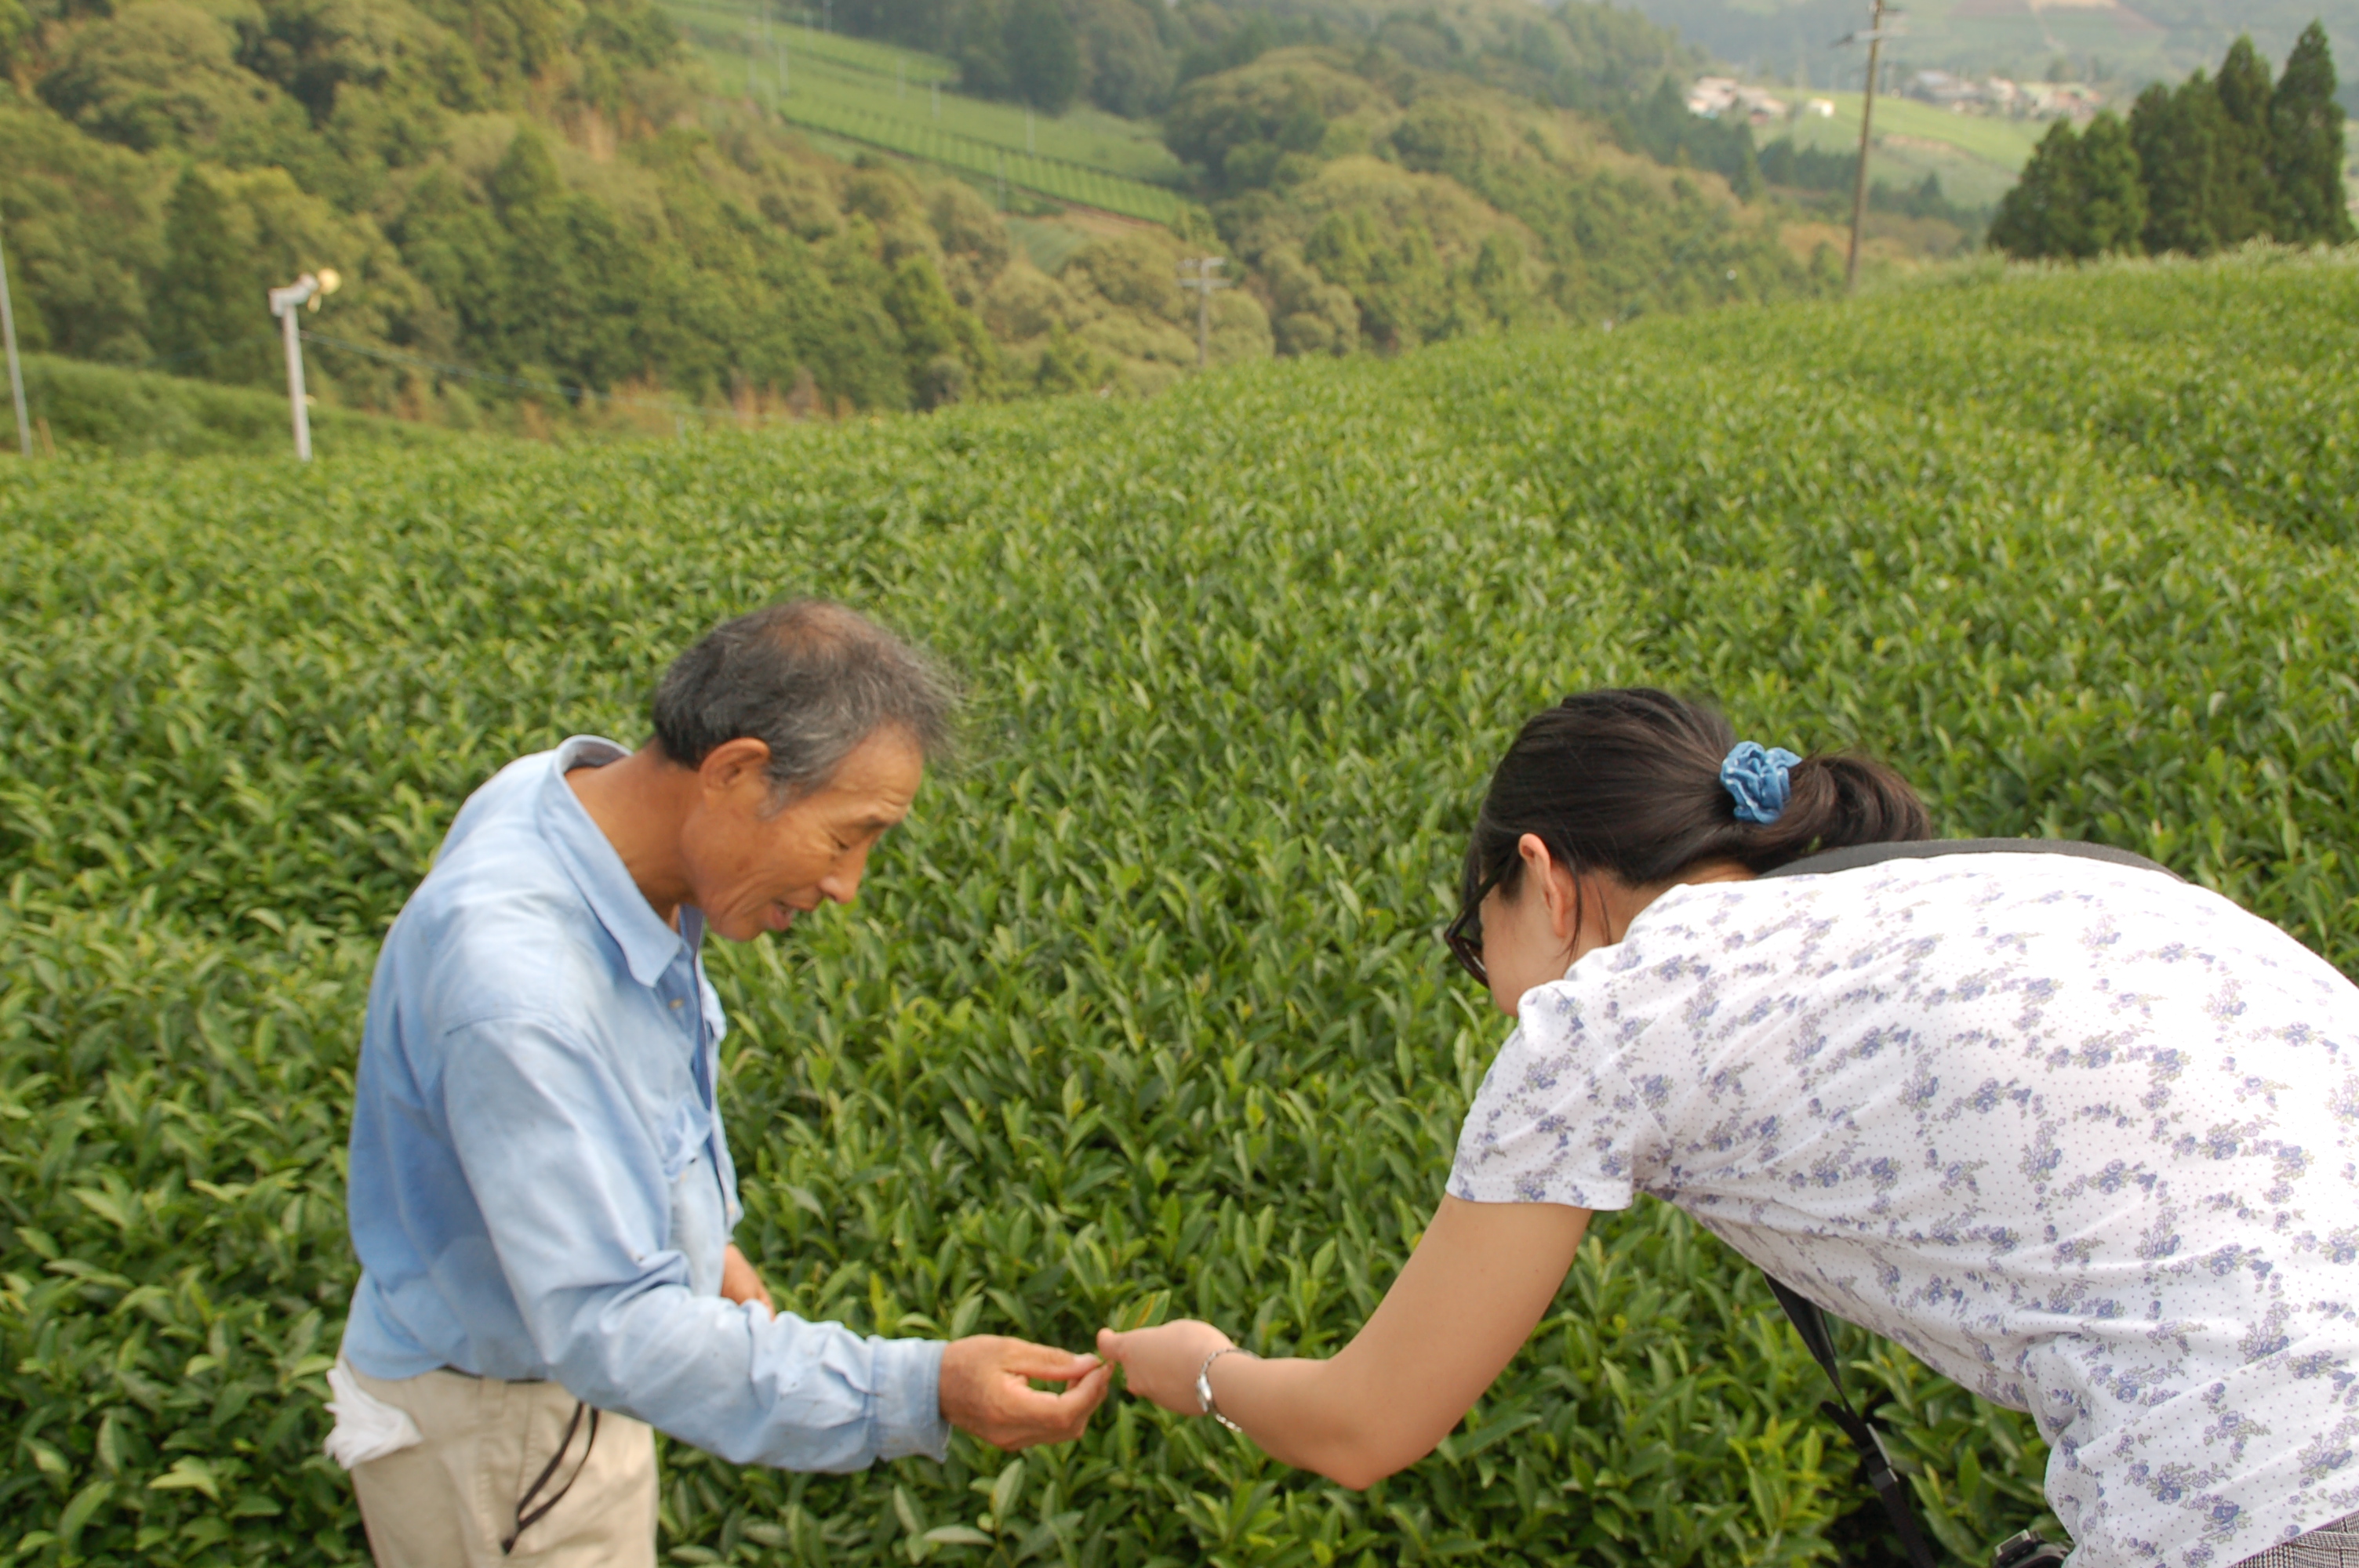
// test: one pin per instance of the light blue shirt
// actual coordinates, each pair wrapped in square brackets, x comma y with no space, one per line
[540,1187]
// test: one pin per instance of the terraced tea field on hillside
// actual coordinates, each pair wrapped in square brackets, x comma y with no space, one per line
[1143,1011]
[903,101]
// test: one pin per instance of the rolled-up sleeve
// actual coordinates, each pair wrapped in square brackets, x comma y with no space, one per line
[569,1179]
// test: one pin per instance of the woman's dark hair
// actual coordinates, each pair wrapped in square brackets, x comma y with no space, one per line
[1627,782]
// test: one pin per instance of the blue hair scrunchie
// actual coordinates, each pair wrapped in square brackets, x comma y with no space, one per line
[1756,776]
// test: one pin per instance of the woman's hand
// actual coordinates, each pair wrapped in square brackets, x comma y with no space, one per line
[1463,1305]
[1161,1364]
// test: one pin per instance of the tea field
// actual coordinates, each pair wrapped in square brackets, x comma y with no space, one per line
[1142,1013]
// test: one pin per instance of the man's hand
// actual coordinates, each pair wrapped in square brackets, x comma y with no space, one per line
[741,1282]
[987,1390]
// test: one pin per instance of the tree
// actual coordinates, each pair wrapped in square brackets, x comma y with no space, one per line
[157,74]
[2034,217]
[2306,147]
[2176,134]
[2243,199]
[2113,198]
[2080,196]
[207,310]
[1044,60]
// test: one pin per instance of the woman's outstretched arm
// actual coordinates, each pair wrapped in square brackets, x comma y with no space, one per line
[1464,1304]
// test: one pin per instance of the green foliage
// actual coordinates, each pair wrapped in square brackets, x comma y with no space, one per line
[2177,134]
[84,232]
[75,405]
[1387,184]
[2080,196]
[1818,170]
[1044,61]
[543,207]
[204,314]
[520,189]
[157,74]
[1240,125]
[1141,1012]
[1661,126]
[1133,53]
[2306,146]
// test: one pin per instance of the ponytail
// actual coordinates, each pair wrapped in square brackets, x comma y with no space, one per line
[1838,801]
[1627,781]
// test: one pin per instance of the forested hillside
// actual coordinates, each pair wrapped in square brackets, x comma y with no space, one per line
[1129,57]
[552,212]
[545,192]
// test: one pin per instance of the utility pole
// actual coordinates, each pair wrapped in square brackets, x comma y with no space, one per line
[1203,281]
[15,369]
[308,289]
[1866,120]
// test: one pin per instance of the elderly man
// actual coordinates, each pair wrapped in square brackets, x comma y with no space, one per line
[541,1194]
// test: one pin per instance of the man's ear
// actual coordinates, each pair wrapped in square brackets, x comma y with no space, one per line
[733,764]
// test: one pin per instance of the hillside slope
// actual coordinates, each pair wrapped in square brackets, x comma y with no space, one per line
[1142,1013]
[2134,41]
[561,216]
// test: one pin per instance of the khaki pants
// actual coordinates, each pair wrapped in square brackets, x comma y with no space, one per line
[451,1499]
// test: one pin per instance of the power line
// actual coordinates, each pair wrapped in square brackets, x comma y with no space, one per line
[163,361]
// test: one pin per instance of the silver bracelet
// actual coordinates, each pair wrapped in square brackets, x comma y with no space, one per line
[1204,1386]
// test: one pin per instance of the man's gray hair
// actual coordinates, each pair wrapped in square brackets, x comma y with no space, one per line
[810,680]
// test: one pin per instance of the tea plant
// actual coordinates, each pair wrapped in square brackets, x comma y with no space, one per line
[1141,1014]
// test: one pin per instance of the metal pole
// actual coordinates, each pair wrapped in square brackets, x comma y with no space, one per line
[285,304]
[302,415]
[1203,282]
[1203,316]
[15,369]
[1867,119]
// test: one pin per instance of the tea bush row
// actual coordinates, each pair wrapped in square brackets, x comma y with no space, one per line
[1141,1013]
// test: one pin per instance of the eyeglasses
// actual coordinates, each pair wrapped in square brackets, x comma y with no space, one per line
[1464,935]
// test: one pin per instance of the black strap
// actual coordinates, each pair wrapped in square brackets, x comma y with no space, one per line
[1856,856]
[1809,1322]
[1875,1463]
[526,1514]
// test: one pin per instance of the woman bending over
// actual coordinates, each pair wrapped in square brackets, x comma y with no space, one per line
[2082,1137]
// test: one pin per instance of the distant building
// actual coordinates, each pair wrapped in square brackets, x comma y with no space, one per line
[1939,87]
[1714,97]
[1963,95]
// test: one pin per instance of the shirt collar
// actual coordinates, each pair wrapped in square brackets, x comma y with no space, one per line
[649,947]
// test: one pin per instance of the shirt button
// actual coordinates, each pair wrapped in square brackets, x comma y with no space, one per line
[674,1004]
